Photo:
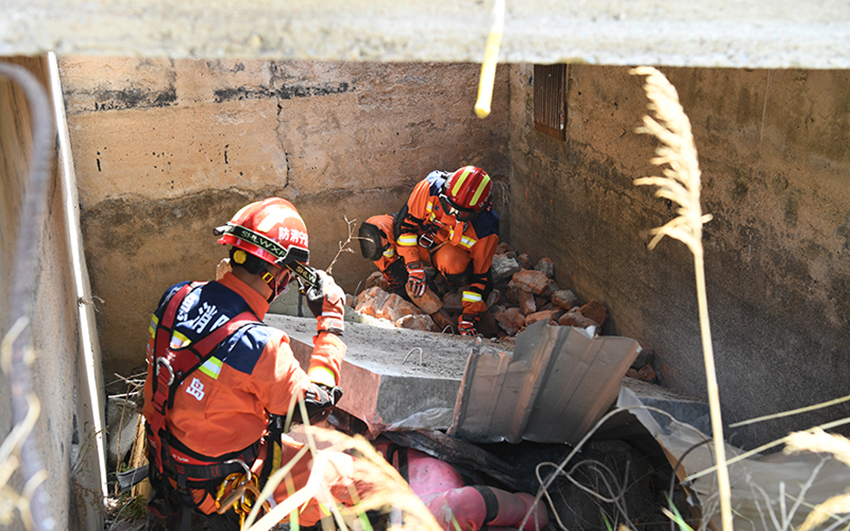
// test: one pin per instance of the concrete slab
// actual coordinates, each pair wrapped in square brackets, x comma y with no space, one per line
[392,377]
[552,387]
[777,34]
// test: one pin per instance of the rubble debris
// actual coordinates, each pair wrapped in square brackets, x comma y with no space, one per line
[545,265]
[522,295]
[574,317]
[565,299]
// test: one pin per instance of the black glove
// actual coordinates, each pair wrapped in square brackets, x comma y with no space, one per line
[319,400]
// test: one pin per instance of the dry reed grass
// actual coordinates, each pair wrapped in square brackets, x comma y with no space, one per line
[681,184]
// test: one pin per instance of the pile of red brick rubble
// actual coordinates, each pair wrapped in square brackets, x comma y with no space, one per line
[524,293]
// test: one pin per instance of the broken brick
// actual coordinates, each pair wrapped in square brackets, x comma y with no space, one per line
[396,307]
[545,265]
[453,302]
[633,373]
[486,325]
[511,320]
[539,316]
[444,321]
[350,300]
[551,287]
[541,301]
[531,281]
[222,268]
[575,318]
[647,374]
[510,293]
[429,302]
[376,279]
[373,295]
[503,268]
[526,302]
[504,248]
[524,261]
[595,311]
[417,322]
[493,297]
[564,298]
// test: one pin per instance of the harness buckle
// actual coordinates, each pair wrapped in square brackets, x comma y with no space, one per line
[426,240]
[164,362]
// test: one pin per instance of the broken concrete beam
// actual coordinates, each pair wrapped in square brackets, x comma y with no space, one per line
[503,267]
[564,298]
[545,265]
[531,281]
[388,380]
[594,311]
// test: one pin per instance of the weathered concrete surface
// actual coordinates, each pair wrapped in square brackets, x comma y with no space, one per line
[779,34]
[773,152]
[384,382]
[63,434]
[167,149]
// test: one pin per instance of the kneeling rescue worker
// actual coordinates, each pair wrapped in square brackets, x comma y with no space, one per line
[448,222]
[218,376]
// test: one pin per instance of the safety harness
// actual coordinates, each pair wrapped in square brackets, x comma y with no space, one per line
[168,456]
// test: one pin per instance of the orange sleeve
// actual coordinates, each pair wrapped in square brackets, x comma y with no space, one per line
[277,376]
[326,361]
[417,212]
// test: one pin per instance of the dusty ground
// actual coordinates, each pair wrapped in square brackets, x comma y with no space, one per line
[395,351]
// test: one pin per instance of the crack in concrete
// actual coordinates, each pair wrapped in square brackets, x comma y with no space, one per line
[273,79]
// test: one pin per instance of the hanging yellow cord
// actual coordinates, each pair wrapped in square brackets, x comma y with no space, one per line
[491,56]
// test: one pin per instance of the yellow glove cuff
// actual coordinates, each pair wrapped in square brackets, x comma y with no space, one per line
[322,375]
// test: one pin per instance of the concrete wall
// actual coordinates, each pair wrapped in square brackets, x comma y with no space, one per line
[773,149]
[167,149]
[63,428]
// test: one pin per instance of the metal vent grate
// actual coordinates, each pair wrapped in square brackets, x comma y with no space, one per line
[550,114]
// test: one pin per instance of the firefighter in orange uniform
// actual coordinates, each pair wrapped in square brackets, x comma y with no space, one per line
[447,222]
[218,376]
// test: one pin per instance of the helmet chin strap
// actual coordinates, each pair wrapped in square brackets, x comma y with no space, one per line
[278,286]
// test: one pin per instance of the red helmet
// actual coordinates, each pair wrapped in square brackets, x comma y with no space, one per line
[467,193]
[271,229]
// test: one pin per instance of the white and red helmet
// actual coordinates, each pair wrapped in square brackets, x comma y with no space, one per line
[467,193]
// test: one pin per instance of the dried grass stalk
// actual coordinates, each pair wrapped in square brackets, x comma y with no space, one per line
[818,441]
[681,185]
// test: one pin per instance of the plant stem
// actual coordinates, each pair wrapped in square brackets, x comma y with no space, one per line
[713,395]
